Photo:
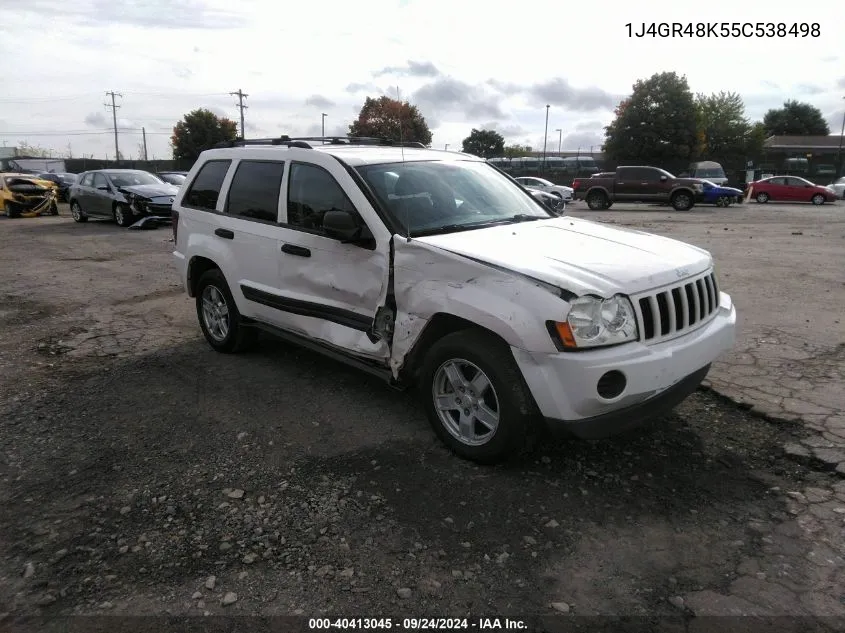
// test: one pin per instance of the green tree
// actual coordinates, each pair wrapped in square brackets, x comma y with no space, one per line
[723,126]
[656,125]
[754,139]
[514,151]
[198,131]
[382,118]
[795,119]
[484,143]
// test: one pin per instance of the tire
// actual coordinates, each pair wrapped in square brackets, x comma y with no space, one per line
[762,197]
[507,398]
[230,336]
[123,215]
[76,212]
[12,210]
[817,199]
[597,201]
[54,209]
[682,201]
[723,202]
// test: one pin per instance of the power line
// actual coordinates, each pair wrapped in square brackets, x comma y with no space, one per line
[114,108]
[241,96]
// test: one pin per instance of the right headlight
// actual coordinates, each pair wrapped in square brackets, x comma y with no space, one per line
[596,322]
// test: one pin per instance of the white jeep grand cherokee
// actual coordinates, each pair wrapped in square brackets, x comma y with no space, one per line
[437,270]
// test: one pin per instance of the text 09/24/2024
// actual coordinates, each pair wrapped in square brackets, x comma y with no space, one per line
[724,29]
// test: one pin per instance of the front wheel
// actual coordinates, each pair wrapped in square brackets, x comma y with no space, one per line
[12,210]
[682,201]
[817,199]
[122,215]
[54,209]
[723,201]
[476,399]
[218,315]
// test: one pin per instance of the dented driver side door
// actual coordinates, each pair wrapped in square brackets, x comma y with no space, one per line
[329,290]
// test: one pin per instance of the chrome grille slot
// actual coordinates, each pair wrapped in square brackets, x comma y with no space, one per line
[677,310]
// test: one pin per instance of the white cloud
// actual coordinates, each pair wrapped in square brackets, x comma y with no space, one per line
[466,65]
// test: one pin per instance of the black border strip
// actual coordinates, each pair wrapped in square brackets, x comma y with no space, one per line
[340,316]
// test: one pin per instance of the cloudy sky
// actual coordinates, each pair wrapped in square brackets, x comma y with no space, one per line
[464,63]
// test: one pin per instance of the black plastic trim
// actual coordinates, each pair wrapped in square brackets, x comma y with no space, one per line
[340,316]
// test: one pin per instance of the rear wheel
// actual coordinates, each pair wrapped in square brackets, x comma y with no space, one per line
[54,209]
[762,197]
[76,212]
[817,199]
[597,201]
[218,315]
[12,210]
[476,399]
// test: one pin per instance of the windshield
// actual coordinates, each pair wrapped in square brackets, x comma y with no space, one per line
[132,178]
[710,173]
[67,177]
[174,179]
[446,196]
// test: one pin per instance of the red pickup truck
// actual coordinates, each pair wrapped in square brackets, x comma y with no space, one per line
[638,184]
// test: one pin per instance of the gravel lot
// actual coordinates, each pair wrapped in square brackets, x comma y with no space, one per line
[143,474]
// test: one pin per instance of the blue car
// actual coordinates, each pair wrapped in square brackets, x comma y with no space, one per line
[718,195]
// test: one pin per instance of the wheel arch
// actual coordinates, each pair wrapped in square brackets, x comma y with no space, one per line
[197,267]
[438,326]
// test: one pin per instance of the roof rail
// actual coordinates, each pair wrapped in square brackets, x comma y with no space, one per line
[281,140]
[303,141]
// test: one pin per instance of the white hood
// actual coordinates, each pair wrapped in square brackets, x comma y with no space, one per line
[580,255]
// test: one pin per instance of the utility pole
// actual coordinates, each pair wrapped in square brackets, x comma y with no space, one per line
[241,96]
[839,157]
[545,139]
[114,108]
[323,122]
[446,147]
[144,134]
[559,139]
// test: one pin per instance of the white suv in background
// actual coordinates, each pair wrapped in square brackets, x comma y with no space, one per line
[433,269]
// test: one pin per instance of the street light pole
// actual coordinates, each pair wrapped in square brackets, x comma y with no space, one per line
[545,139]
[559,139]
[841,134]
[324,126]
[446,147]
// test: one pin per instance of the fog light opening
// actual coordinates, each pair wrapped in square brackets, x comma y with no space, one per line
[611,384]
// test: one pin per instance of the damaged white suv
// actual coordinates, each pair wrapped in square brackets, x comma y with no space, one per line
[437,270]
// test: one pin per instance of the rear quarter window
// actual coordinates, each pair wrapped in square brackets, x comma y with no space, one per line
[204,191]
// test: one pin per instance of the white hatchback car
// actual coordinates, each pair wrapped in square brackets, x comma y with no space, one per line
[433,269]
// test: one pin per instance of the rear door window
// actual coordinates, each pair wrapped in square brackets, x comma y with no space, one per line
[205,189]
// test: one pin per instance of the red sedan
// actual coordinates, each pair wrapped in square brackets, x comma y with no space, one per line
[790,189]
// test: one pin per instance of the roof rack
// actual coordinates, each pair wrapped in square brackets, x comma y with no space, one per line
[303,141]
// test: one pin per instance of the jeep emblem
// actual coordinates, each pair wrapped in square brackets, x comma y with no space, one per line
[681,272]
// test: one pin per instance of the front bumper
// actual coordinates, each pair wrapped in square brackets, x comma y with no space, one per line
[152,221]
[657,377]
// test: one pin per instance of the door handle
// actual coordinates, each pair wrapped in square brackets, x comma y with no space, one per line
[224,233]
[300,251]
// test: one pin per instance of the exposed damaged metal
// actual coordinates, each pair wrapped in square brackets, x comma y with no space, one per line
[25,196]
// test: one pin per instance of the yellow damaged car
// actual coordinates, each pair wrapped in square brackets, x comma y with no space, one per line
[27,196]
